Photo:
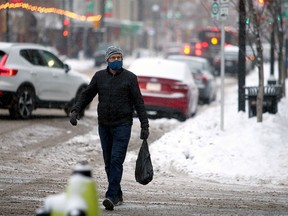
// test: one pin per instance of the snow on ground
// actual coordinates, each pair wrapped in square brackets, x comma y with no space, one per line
[245,152]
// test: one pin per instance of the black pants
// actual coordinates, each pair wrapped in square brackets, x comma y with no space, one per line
[114,142]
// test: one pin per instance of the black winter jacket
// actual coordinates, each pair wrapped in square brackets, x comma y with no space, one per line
[118,95]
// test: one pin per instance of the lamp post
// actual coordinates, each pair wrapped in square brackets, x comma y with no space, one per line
[155,9]
[7,24]
[271,79]
[241,57]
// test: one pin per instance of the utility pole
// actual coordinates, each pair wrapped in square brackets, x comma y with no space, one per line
[272,80]
[7,24]
[102,13]
[69,38]
[241,56]
[224,9]
[141,10]
[219,12]
[102,21]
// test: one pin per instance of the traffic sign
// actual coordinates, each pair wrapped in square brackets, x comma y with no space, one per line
[224,9]
[215,9]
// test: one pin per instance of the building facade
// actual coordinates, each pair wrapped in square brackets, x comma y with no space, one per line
[44,22]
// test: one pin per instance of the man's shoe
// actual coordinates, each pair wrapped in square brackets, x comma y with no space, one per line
[119,202]
[108,204]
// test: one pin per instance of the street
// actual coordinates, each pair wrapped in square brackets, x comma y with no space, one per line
[201,165]
[37,160]
[38,155]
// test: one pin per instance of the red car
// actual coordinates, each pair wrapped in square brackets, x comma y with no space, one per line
[167,86]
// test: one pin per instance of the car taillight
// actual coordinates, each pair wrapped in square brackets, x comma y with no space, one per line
[142,85]
[3,60]
[180,87]
[200,77]
[204,78]
[7,72]
[142,82]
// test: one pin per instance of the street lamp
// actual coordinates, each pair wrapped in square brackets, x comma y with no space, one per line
[155,9]
[7,24]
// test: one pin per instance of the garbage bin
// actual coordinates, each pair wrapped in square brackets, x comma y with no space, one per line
[272,95]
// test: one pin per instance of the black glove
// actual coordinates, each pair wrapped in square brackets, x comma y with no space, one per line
[74,117]
[144,133]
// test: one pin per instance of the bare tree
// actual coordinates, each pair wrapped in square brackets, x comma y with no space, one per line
[255,18]
[275,9]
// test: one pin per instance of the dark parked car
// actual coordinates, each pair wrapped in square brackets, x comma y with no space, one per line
[174,49]
[231,61]
[99,54]
[203,75]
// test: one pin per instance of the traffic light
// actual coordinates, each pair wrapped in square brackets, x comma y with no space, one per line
[214,40]
[187,49]
[65,33]
[198,49]
[248,21]
[261,2]
[66,23]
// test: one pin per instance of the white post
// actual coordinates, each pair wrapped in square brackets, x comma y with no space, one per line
[222,74]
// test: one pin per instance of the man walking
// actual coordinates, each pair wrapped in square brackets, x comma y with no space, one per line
[118,96]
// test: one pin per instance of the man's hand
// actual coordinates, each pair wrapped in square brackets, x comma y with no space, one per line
[74,117]
[144,133]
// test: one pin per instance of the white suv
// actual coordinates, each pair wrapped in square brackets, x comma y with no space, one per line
[32,77]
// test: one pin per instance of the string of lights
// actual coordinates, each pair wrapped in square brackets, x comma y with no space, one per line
[58,11]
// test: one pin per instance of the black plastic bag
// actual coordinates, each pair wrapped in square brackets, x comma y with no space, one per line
[144,169]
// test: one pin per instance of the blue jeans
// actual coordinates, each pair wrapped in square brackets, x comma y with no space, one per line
[114,142]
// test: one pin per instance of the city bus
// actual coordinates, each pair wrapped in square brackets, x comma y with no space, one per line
[206,41]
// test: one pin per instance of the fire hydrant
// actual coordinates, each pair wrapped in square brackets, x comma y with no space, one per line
[79,199]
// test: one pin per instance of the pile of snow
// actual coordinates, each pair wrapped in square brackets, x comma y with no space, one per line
[245,152]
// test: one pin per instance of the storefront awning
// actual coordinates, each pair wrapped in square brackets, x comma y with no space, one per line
[130,28]
[127,27]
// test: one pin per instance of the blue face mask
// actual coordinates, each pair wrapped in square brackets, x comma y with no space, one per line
[115,65]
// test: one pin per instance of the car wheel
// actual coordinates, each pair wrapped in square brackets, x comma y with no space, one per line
[206,100]
[23,104]
[181,117]
[210,99]
[214,97]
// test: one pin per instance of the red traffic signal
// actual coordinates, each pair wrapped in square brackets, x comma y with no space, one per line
[66,22]
[65,33]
